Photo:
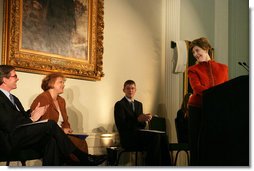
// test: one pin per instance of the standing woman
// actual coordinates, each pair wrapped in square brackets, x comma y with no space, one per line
[202,76]
[53,86]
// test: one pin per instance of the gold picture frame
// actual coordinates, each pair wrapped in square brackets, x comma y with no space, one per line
[186,85]
[38,38]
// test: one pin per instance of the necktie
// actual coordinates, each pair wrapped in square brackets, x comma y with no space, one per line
[13,102]
[12,99]
[132,106]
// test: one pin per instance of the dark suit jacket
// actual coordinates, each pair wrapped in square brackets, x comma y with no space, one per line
[10,118]
[126,121]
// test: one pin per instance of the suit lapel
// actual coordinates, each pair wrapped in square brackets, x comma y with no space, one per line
[52,101]
[7,100]
[18,104]
[128,106]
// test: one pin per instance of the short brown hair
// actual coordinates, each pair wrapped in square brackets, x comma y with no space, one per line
[49,80]
[5,72]
[128,82]
[204,44]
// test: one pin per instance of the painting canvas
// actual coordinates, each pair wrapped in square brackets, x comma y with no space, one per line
[44,36]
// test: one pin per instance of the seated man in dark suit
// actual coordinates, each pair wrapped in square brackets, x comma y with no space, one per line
[129,118]
[17,131]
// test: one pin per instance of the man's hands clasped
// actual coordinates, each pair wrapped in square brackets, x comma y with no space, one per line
[38,112]
[145,117]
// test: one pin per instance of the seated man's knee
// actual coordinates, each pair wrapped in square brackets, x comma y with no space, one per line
[51,126]
[52,123]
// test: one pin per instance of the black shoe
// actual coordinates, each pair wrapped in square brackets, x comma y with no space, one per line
[95,160]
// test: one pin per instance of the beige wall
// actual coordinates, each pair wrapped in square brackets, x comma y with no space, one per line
[197,19]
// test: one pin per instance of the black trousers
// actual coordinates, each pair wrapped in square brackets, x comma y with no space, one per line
[195,123]
[48,138]
[155,144]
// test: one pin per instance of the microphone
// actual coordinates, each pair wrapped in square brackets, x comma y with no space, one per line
[245,67]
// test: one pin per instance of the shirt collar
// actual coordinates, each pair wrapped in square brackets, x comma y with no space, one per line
[129,100]
[7,93]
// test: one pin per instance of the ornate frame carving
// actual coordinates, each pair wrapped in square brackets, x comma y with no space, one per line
[35,61]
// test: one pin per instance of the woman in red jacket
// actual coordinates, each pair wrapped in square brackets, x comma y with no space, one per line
[202,76]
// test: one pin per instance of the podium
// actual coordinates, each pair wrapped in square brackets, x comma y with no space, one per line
[224,139]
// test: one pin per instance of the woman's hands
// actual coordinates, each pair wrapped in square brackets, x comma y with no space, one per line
[67,130]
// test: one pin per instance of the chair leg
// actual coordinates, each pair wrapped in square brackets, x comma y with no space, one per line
[176,157]
[136,158]
[120,154]
[23,163]
[118,157]
[188,157]
[7,163]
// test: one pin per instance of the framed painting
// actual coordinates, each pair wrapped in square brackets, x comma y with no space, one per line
[191,61]
[43,36]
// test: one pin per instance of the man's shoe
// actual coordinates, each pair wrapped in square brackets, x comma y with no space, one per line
[95,160]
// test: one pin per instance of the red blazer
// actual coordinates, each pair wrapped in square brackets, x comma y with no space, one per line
[52,113]
[203,76]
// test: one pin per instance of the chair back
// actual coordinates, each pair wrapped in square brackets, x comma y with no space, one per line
[177,130]
[181,126]
[158,123]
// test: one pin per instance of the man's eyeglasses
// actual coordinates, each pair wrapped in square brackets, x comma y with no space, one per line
[14,76]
